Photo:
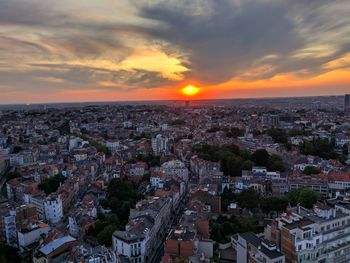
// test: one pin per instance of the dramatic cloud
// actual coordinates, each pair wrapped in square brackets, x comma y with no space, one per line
[233,38]
[126,46]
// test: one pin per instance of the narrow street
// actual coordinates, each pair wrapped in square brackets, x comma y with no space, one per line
[157,258]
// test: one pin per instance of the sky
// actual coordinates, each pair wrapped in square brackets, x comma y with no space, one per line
[107,50]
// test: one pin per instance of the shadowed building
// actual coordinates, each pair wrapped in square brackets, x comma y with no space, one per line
[347,103]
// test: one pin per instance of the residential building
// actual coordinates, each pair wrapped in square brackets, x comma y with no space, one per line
[55,251]
[270,120]
[144,231]
[320,235]
[252,249]
[160,144]
[347,102]
[8,224]
[31,234]
[175,168]
[53,209]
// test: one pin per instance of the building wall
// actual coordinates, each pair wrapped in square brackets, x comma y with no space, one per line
[134,250]
[206,247]
[172,247]
[242,247]
[53,210]
[203,227]
[28,238]
[186,248]
[287,246]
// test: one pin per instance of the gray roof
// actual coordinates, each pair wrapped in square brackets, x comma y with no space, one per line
[128,237]
[52,246]
[257,242]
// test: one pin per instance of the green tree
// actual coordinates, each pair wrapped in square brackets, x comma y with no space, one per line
[17,149]
[304,196]
[247,165]
[227,197]
[248,198]
[105,236]
[278,135]
[276,163]
[51,184]
[235,132]
[8,254]
[261,157]
[273,204]
[311,170]
[122,195]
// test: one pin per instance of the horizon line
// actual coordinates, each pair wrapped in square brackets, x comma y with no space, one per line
[174,100]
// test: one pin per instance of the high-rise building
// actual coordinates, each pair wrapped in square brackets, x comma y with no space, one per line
[347,103]
[270,120]
[160,144]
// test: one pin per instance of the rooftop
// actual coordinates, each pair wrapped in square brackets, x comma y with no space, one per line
[52,246]
[265,247]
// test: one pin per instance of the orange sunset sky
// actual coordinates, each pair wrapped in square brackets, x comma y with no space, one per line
[105,50]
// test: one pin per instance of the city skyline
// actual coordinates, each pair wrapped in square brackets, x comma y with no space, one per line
[142,50]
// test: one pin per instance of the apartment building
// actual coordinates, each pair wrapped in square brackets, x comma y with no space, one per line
[12,218]
[144,231]
[252,249]
[53,209]
[175,168]
[31,234]
[317,184]
[7,224]
[320,235]
[160,144]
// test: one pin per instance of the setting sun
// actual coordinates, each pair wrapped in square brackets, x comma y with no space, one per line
[190,90]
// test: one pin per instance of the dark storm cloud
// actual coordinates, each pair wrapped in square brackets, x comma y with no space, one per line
[236,34]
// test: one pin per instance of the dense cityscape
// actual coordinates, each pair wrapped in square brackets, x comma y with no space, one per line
[174,131]
[263,180]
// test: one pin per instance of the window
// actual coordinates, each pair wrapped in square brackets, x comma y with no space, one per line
[307,234]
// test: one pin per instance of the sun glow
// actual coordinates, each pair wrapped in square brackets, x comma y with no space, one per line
[190,90]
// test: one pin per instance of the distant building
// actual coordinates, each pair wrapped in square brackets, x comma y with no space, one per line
[160,144]
[270,120]
[347,103]
[175,168]
[112,146]
[127,124]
